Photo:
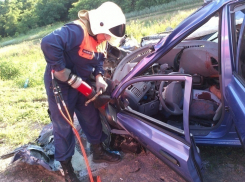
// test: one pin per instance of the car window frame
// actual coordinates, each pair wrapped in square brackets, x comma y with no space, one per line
[188,87]
[233,8]
[235,45]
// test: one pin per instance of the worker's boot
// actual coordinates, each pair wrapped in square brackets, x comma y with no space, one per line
[70,176]
[102,155]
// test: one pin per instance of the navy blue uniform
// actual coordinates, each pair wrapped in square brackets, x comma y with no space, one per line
[60,49]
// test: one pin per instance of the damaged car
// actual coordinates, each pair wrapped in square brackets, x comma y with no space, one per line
[178,90]
[184,89]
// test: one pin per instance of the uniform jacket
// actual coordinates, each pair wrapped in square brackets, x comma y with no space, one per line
[71,47]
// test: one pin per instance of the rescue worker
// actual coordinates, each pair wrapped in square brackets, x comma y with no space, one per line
[72,53]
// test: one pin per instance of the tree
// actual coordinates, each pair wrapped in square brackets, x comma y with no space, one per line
[28,21]
[126,5]
[83,5]
[50,11]
[11,17]
[28,18]
[2,19]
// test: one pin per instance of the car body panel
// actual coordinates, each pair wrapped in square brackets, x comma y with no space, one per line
[236,89]
[174,146]
[161,145]
[235,94]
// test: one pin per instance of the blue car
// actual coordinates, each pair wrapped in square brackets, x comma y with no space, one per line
[185,90]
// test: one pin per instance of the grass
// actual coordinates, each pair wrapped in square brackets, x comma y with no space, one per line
[167,7]
[24,110]
[157,24]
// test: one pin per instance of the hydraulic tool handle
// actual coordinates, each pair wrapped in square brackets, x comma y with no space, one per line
[85,89]
[93,97]
[73,80]
[77,83]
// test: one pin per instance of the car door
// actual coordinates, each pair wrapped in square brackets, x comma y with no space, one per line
[174,146]
[235,90]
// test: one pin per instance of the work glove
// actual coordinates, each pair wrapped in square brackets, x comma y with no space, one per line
[77,83]
[100,83]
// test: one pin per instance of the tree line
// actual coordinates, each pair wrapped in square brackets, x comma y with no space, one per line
[19,16]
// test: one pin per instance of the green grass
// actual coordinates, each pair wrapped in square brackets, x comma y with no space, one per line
[24,110]
[165,8]
[156,24]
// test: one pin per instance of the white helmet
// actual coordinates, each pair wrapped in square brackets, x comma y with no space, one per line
[108,19]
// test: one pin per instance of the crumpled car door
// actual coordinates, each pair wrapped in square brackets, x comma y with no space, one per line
[174,146]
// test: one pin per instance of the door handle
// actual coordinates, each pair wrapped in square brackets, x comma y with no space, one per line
[169,157]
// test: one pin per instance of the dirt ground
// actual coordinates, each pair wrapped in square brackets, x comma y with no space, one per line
[221,164]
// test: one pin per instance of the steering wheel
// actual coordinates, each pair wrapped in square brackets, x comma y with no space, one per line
[169,107]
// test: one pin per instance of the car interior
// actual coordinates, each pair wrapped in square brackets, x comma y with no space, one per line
[196,55]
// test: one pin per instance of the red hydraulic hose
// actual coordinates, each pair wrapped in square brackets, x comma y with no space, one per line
[69,120]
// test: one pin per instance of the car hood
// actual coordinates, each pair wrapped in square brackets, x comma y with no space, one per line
[185,28]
